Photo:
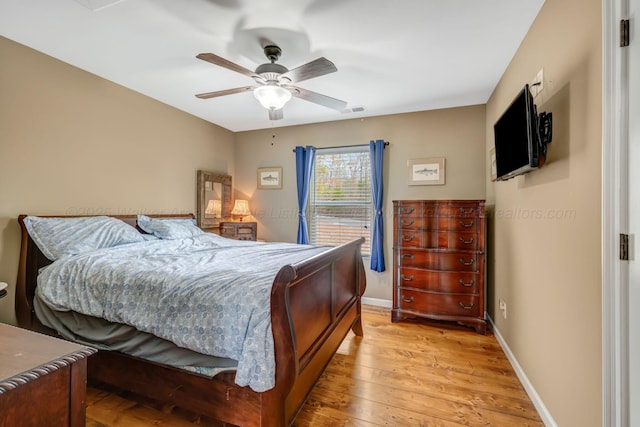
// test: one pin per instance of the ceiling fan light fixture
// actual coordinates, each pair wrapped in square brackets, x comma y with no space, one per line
[272,96]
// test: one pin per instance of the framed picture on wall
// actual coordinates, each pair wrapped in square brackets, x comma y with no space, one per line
[428,171]
[270,178]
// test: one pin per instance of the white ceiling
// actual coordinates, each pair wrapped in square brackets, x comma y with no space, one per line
[392,56]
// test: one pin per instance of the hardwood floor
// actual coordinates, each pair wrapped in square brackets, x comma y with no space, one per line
[398,374]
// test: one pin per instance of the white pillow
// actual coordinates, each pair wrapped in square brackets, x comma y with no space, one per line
[58,237]
[169,228]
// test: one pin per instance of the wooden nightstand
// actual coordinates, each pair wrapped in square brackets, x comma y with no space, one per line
[239,230]
[43,380]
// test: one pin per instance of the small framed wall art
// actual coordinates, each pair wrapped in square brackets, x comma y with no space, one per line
[270,178]
[428,171]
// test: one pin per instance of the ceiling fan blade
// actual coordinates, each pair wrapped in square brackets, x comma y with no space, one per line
[276,114]
[317,98]
[315,68]
[217,60]
[224,92]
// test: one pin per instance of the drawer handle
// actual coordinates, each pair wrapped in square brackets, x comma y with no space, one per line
[407,224]
[408,300]
[466,242]
[463,262]
[408,239]
[407,210]
[464,211]
[466,307]
[406,279]
[410,256]
[470,224]
[468,285]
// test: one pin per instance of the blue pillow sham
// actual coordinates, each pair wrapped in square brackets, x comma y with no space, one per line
[169,228]
[59,237]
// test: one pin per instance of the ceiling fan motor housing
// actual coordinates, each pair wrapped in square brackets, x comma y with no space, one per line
[271,71]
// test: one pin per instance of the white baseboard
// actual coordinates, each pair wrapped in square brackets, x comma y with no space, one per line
[379,302]
[544,413]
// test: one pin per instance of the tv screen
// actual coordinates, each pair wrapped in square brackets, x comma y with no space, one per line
[516,138]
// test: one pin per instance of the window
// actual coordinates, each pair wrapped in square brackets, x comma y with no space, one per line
[340,197]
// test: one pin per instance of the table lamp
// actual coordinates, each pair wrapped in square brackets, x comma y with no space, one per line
[241,209]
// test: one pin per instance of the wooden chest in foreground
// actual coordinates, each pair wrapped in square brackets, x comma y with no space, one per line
[43,380]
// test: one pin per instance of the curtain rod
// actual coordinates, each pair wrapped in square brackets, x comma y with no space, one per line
[386,143]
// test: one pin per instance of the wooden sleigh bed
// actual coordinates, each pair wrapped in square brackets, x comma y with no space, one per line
[329,286]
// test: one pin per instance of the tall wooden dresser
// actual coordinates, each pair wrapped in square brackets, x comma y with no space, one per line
[439,261]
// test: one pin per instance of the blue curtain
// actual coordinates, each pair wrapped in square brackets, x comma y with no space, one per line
[376,151]
[304,166]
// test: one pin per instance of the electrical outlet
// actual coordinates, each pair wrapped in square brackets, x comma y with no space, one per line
[503,307]
[537,84]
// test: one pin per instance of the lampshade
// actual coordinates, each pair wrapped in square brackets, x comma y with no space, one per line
[214,207]
[272,96]
[241,208]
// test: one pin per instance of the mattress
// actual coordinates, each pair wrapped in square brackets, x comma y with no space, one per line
[104,335]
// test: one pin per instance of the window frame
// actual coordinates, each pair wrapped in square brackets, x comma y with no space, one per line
[311,204]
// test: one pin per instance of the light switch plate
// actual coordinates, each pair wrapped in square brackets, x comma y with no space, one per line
[537,84]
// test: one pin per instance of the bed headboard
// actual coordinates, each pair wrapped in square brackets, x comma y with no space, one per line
[32,260]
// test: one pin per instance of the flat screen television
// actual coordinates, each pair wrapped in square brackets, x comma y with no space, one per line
[518,147]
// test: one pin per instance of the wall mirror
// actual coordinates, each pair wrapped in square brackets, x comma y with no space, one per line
[214,198]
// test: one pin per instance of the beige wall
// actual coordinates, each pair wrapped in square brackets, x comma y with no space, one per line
[73,143]
[456,134]
[545,239]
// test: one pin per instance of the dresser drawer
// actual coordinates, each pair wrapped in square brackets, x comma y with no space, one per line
[438,223]
[246,233]
[439,281]
[440,239]
[417,209]
[460,209]
[463,208]
[442,304]
[437,260]
[227,231]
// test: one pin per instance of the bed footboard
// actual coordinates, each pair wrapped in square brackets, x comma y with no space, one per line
[314,304]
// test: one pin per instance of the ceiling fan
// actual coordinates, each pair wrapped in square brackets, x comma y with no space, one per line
[274,88]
